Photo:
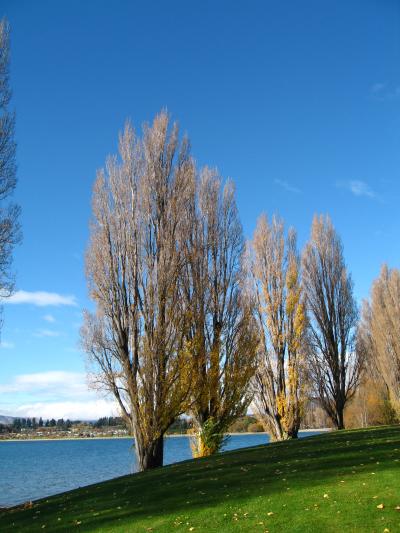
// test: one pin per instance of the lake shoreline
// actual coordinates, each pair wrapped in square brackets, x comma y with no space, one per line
[164,494]
[321,430]
[37,468]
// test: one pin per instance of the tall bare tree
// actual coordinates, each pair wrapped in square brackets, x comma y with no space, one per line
[279,382]
[9,213]
[222,335]
[136,340]
[379,332]
[335,364]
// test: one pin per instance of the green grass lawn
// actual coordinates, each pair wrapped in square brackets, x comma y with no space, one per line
[333,482]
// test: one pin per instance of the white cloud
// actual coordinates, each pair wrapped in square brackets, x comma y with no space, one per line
[89,410]
[287,186]
[7,345]
[47,333]
[385,91]
[360,188]
[59,381]
[49,318]
[378,87]
[40,298]
[53,394]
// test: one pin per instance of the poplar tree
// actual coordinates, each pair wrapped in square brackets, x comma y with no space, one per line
[9,212]
[379,332]
[280,380]
[136,340]
[335,364]
[222,335]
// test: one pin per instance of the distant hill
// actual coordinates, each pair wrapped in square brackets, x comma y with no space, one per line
[6,420]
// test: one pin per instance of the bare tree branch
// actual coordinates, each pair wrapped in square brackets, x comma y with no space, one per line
[379,333]
[335,365]
[136,341]
[10,233]
[279,384]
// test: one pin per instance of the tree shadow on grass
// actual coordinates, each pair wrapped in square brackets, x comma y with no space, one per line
[203,484]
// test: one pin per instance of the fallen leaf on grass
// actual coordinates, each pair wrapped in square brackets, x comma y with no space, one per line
[380,506]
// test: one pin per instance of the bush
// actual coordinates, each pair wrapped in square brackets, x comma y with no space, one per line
[255,427]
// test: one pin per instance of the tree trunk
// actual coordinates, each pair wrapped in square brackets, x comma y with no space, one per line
[204,449]
[273,427]
[337,416]
[150,456]
[340,418]
[293,433]
[208,437]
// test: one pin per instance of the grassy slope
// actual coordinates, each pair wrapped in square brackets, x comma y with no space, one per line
[332,482]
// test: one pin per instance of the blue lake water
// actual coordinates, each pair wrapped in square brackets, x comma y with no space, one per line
[36,469]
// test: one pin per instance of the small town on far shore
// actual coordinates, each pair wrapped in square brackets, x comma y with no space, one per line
[13,428]
[362,413]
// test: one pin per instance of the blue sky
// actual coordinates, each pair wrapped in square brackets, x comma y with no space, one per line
[297,102]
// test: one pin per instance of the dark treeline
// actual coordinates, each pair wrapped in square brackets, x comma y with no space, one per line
[34,423]
[37,423]
[109,421]
[181,426]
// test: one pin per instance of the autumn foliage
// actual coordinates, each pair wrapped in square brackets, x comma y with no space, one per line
[279,383]
[188,319]
[379,332]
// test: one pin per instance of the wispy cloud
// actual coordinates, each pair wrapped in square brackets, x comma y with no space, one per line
[87,410]
[358,188]
[49,318]
[7,345]
[40,298]
[46,333]
[59,381]
[287,186]
[57,394]
[385,91]
[377,88]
